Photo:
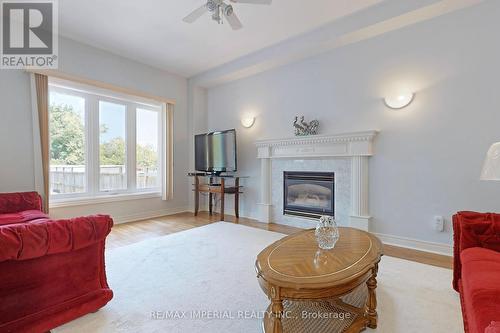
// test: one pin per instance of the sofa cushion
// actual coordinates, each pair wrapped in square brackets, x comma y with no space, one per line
[21,217]
[42,237]
[480,230]
[481,287]
[18,202]
[491,242]
[493,328]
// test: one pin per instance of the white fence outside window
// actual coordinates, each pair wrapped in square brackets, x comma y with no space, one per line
[71,178]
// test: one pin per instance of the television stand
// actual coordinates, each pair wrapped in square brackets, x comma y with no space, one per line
[216,186]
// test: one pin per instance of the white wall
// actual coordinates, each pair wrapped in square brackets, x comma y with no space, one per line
[16,133]
[429,155]
[16,137]
[197,113]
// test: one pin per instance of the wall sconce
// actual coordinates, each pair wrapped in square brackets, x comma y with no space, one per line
[248,121]
[491,168]
[399,101]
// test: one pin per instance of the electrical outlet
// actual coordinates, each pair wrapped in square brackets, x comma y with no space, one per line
[439,223]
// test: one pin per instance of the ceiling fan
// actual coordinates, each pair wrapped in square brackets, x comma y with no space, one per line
[220,10]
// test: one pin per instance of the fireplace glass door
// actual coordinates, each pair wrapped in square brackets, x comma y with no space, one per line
[309,194]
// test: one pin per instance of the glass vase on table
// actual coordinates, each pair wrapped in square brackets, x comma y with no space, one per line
[327,232]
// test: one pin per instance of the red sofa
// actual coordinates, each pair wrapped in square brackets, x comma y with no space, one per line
[51,271]
[477,269]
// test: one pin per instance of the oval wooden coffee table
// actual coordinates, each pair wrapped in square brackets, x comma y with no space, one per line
[314,290]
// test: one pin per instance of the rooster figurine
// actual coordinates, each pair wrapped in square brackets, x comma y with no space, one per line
[299,129]
[303,128]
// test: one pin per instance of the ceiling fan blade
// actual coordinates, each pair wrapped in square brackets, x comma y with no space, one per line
[234,21]
[257,2]
[196,14]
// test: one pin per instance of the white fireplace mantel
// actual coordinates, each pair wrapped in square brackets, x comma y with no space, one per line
[358,146]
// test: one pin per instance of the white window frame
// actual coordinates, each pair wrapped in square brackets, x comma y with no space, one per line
[93,193]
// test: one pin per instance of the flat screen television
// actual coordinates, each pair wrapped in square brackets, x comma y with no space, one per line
[216,152]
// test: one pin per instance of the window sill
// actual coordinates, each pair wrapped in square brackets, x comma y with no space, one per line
[83,201]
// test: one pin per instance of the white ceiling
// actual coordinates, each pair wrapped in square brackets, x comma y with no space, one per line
[152,31]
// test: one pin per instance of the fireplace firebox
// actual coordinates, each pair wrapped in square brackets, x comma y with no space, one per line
[309,194]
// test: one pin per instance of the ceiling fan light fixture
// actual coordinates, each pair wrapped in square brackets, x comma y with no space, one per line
[220,10]
[228,10]
[217,17]
[212,5]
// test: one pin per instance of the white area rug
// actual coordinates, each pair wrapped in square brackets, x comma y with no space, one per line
[211,269]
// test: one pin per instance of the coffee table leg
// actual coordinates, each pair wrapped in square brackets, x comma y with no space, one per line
[371,303]
[277,311]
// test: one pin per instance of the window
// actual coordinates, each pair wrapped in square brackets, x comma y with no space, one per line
[112,146]
[147,148]
[67,143]
[103,143]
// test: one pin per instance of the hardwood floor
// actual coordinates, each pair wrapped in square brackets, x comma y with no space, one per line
[133,232]
[419,256]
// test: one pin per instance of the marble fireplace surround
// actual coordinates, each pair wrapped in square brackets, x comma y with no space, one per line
[356,146]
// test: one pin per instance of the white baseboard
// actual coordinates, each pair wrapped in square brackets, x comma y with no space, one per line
[360,222]
[149,215]
[409,243]
[437,248]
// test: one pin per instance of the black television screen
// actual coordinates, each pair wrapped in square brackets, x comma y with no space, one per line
[216,152]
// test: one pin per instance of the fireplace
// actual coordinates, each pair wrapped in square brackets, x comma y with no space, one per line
[309,194]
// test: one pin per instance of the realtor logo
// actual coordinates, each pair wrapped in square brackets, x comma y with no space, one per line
[29,34]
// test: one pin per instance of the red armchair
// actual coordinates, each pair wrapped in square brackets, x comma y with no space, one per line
[51,271]
[477,269]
